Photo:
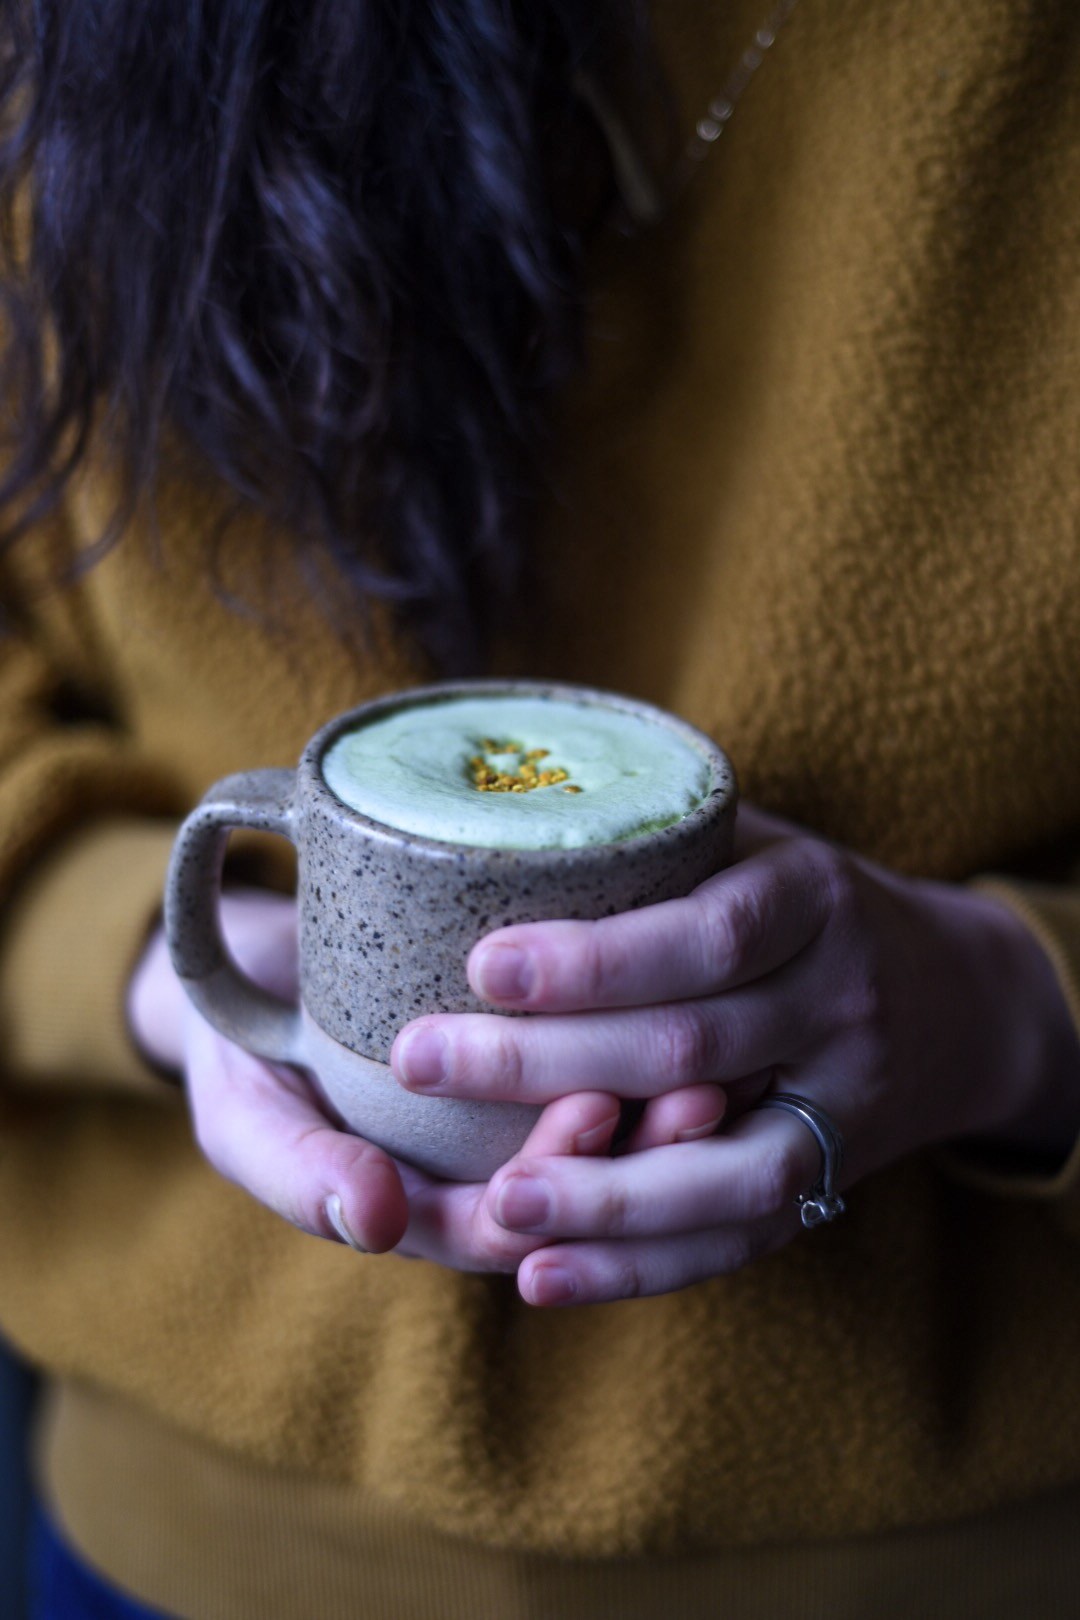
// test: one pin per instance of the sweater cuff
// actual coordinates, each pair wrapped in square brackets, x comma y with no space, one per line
[71,939]
[1053,916]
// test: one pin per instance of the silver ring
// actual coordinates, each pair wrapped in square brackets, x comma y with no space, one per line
[822,1202]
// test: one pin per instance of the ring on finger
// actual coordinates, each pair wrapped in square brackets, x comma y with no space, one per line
[821,1202]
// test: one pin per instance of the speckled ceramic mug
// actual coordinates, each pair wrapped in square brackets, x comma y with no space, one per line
[387,920]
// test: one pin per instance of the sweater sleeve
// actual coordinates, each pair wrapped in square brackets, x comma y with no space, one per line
[85,827]
[1052,913]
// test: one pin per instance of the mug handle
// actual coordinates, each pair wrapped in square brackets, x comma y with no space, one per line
[240,1009]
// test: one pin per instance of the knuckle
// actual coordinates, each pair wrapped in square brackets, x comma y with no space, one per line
[685,1044]
[862,1004]
[497,1250]
[839,879]
[736,1251]
[774,1183]
[616,1210]
[626,1280]
[733,926]
[604,964]
[494,1059]
[872,1061]
[858,990]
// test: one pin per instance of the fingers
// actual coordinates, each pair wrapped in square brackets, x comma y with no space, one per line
[750,1178]
[638,1052]
[694,1112]
[456,1226]
[260,931]
[583,1123]
[686,1115]
[735,928]
[598,1273]
[450,1225]
[453,1225]
[261,1127]
[753,1173]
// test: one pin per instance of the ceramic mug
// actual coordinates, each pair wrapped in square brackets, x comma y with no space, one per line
[387,920]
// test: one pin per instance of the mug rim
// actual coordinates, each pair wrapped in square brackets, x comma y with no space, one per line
[720,799]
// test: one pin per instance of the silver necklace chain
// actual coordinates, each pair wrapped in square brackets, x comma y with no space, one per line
[644,200]
[721,108]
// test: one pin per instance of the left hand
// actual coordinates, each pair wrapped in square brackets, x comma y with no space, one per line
[912,1012]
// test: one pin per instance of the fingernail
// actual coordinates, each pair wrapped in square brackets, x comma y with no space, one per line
[523,1204]
[551,1285]
[505,973]
[423,1058]
[598,1136]
[696,1132]
[336,1216]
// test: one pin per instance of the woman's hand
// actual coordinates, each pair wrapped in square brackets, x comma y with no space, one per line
[260,1124]
[912,1012]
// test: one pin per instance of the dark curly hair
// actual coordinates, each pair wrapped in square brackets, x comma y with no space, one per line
[335,246]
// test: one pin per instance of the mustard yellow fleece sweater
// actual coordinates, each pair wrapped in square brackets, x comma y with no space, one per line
[819,495]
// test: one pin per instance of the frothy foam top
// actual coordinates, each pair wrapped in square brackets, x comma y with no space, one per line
[505,772]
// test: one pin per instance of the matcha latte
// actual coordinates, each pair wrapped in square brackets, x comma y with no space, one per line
[516,772]
[480,805]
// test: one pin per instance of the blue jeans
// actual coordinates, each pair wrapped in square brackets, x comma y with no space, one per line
[62,1588]
[16,1387]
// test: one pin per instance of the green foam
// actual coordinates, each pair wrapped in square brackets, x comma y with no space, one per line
[411,770]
